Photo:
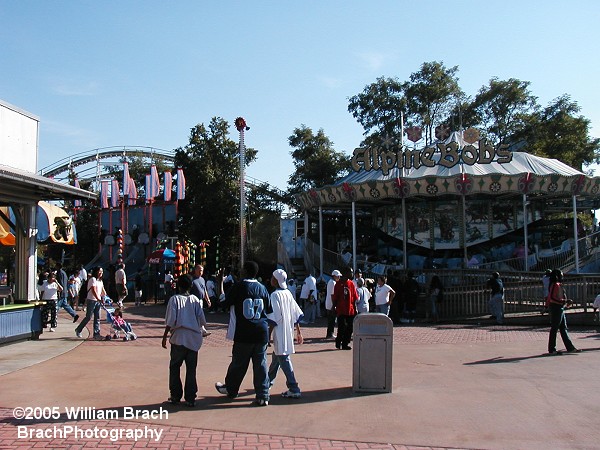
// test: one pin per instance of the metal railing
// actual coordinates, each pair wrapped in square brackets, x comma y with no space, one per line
[466,292]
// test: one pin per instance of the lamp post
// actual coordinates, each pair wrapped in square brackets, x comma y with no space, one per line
[240,124]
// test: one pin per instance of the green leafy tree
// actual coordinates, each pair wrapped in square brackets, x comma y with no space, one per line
[379,108]
[431,94]
[316,162]
[558,131]
[264,212]
[501,108]
[211,208]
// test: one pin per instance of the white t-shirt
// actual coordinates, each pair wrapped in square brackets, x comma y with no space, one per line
[50,290]
[330,288]
[286,313]
[120,277]
[382,294]
[310,283]
[94,285]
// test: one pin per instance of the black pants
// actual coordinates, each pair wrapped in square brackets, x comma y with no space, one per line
[179,355]
[345,328]
[49,314]
[330,322]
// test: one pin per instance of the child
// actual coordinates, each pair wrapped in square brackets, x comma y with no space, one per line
[121,325]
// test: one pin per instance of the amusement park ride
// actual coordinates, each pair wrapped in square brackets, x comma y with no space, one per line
[131,228]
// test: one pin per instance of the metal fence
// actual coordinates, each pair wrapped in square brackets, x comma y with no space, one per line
[465,290]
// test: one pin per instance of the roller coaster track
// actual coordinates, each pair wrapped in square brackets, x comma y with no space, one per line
[79,159]
[63,166]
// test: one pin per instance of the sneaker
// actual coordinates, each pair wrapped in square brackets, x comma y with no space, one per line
[52,330]
[173,401]
[98,337]
[75,318]
[77,333]
[290,394]
[260,402]
[222,389]
[574,350]
[346,347]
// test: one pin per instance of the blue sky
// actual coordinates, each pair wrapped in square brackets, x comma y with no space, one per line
[123,73]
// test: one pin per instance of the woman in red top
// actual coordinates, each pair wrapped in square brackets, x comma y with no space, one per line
[557,301]
[344,300]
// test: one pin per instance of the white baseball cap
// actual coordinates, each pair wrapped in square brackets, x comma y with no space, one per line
[336,273]
[281,278]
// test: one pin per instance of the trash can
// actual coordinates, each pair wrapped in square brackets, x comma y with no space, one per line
[372,353]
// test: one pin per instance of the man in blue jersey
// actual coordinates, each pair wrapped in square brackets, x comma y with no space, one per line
[249,303]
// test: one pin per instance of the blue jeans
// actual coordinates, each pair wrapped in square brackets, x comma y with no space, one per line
[558,321]
[63,303]
[383,309]
[92,307]
[179,355]
[310,312]
[497,307]
[241,354]
[285,363]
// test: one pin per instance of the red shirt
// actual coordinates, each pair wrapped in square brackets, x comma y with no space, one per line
[344,298]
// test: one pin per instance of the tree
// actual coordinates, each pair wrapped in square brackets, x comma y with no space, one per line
[264,213]
[501,108]
[316,162]
[431,94]
[379,107]
[211,166]
[557,131]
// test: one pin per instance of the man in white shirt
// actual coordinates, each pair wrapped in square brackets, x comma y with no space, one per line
[282,322]
[335,276]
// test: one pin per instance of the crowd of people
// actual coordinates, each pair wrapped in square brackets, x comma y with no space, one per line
[259,316]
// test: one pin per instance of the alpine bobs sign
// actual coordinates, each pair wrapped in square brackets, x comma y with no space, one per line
[450,154]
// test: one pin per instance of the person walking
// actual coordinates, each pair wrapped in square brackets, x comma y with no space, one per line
[282,322]
[344,300]
[184,320]
[94,297]
[249,304]
[496,302]
[557,302]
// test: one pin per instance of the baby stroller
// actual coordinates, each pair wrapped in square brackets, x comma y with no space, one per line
[119,326]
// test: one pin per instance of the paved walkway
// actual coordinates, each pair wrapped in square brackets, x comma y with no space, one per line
[469,386]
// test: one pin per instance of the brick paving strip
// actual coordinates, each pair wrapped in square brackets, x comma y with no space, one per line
[148,324]
[172,437]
